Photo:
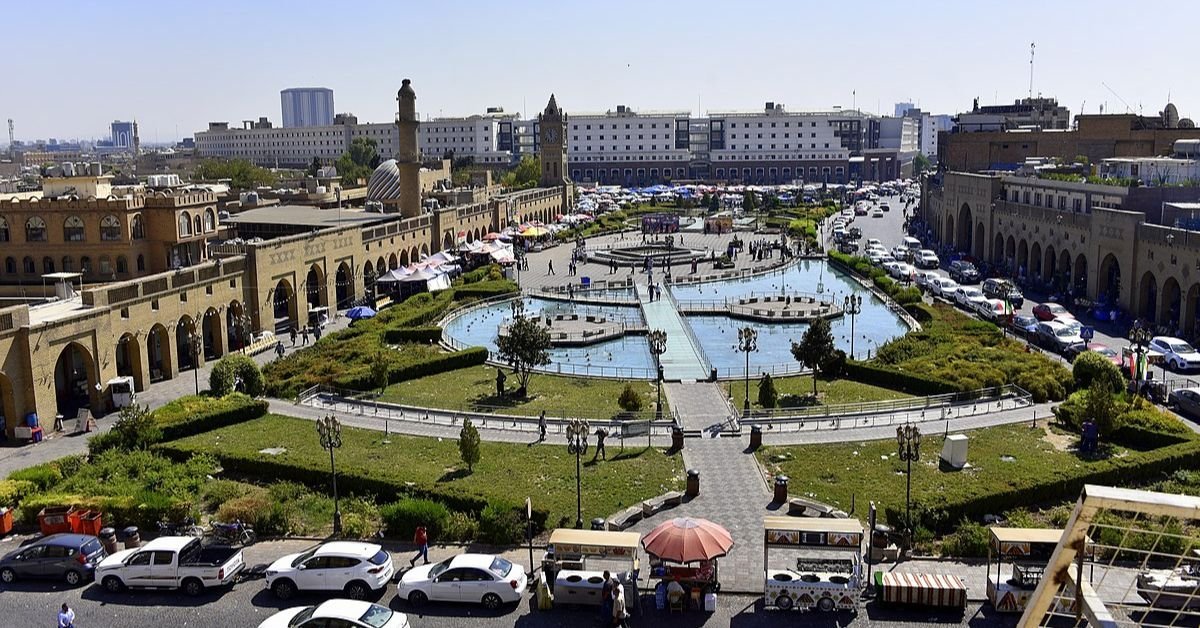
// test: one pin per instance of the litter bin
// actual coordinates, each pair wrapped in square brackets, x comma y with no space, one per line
[91,522]
[693,483]
[6,521]
[132,540]
[755,437]
[108,537]
[598,523]
[712,375]
[676,439]
[781,490]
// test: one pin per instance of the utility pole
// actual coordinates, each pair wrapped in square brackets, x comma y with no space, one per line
[1032,46]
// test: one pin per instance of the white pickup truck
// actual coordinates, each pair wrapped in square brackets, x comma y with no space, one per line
[170,562]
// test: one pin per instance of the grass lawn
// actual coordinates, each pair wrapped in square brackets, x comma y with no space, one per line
[871,471]
[831,392]
[475,388]
[506,471]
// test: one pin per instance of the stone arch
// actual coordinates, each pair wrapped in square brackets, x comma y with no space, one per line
[424,252]
[478,235]
[1170,306]
[1110,279]
[979,242]
[1010,254]
[369,280]
[316,288]
[8,406]
[1079,274]
[998,250]
[1147,302]
[1035,260]
[190,355]
[1022,257]
[392,262]
[962,240]
[75,380]
[1191,306]
[158,353]
[414,255]
[237,325]
[130,362]
[285,307]
[1064,268]
[1050,263]
[343,287]
[211,330]
[404,258]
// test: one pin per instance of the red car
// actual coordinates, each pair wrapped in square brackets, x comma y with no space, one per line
[1104,350]
[1050,311]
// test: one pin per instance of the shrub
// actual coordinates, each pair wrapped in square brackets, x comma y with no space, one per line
[258,510]
[768,397]
[630,400]
[134,428]
[12,491]
[431,334]
[401,518]
[970,540]
[1040,386]
[360,518]
[217,492]
[1090,366]
[41,476]
[500,524]
[895,379]
[229,370]
[203,414]
[461,528]
[486,289]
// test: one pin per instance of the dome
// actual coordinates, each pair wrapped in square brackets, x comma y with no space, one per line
[1186,123]
[385,182]
[1171,116]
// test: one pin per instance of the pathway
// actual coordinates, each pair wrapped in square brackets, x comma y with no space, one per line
[683,360]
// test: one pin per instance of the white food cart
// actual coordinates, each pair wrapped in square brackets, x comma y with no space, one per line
[121,389]
[574,581]
[827,575]
[1020,556]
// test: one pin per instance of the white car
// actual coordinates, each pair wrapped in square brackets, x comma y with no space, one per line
[884,259]
[927,259]
[352,567]
[1178,354]
[943,287]
[968,297]
[923,277]
[899,252]
[339,613]
[479,578]
[873,242]
[877,213]
[901,271]
[990,309]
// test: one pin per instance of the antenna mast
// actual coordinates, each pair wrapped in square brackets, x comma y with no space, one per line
[10,137]
[1032,46]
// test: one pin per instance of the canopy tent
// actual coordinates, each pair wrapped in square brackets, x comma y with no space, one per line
[433,281]
[686,540]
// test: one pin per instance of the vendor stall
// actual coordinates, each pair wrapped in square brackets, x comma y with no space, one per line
[685,551]
[570,565]
[1017,560]
[827,574]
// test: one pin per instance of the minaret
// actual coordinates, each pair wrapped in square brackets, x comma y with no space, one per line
[408,159]
[136,148]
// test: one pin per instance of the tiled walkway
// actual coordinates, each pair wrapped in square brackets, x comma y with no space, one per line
[682,360]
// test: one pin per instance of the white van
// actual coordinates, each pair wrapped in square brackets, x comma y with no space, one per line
[911,244]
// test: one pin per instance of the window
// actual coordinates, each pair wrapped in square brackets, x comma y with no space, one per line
[47,265]
[27,264]
[185,224]
[73,229]
[3,229]
[110,228]
[1077,204]
[35,229]
[105,266]
[122,265]
[10,265]
[141,558]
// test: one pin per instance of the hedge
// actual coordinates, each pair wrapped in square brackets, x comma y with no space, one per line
[485,289]
[894,379]
[417,310]
[442,362]
[143,511]
[429,334]
[235,408]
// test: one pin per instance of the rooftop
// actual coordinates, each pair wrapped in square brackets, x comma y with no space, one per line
[306,216]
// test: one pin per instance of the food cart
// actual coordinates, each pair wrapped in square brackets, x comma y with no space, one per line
[122,391]
[685,550]
[827,575]
[1017,559]
[570,577]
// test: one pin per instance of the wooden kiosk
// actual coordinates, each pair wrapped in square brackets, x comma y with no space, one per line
[1017,559]
[573,581]
[828,574]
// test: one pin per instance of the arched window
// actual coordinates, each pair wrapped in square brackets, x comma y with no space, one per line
[122,265]
[210,220]
[85,265]
[10,265]
[141,263]
[73,229]
[35,229]
[105,266]
[4,235]
[47,265]
[27,263]
[110,228]
[185,224]
[137,230]
[68,264]
[199,226]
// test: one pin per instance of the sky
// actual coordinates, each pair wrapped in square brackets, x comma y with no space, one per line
[74,66]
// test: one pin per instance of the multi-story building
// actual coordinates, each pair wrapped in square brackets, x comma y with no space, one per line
[1039,113]
[625,145]
[902,109]
[306,106]
[486,139]
[122,134]
[1182,168]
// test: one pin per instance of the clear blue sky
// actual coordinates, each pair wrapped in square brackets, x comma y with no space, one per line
[74,66]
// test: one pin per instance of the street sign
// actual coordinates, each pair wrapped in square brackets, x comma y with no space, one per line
[1087,333]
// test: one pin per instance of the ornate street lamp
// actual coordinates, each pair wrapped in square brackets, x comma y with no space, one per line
[658,346]
[908,437]
[747,342]
[329,429]
[1140,335]
[853,307]
[577,431]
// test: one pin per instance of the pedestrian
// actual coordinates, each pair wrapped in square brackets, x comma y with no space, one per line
[542,426]
[304,336]
[316,332]
[66,617]
[601,434]
[421,540]
[606,597]
[279,349]
[550,268]
[618,607]
[293,331]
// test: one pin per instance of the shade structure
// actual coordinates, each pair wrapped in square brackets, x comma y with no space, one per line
[686,540]
[359,311]
[535,232]
[492,236]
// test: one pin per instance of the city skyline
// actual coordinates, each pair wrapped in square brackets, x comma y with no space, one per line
[666,56]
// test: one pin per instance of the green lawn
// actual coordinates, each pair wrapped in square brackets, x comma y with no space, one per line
[475,388]
[830,392]
[506,471]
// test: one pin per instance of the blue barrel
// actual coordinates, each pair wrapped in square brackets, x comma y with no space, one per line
[31,419]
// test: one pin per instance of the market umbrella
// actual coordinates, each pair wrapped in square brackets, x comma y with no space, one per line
[534,232]
[359,311]
[492,236]
[686,540]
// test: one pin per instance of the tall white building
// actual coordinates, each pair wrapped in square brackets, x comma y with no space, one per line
[485,139]
[306,106]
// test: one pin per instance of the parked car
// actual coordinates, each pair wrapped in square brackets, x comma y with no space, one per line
[339,614]
[849,248]
[1178,354]
[171,562]
[885,207]
[71,558]
[901,271]
[479,578]
[1050,311]
[855,233]
[874,242]
[923,277]
[349,566]
[1074,350]
[901,253]
[1024,325]
[885,258]
[877,213]
[990,309]
[968,298]
[1056,335]
[964,272]
[996,288]
[943,287]
[1186,401]
[926,258]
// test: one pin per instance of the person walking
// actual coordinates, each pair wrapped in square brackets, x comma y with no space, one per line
[601,434]
[304,336]
[293,333]
[606,598]
[66,617]
[421,540]
[279,349]
[550,267]
[542,426]
[618,607]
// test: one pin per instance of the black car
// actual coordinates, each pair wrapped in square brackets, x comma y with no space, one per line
[964,272]
[1003,289]
[1024,325]
[71,558]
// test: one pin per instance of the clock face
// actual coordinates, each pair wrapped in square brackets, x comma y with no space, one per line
[550,135]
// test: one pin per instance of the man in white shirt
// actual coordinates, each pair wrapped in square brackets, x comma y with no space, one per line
[66,617]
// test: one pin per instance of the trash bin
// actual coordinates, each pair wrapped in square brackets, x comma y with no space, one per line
[781,490]
[91,522]
[75,520]
[676,439]
[712,375]
[132,540]
[108,538]
[53,519]
[6,521]
[693,483]
[598,523]
[755,437]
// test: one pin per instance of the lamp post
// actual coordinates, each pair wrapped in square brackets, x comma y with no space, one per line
[852,306]
[908,438]
[747,342]
[577,431]
[658,346]
[329,429]
[1140,336]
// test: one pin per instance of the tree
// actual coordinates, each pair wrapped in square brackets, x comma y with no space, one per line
[1102,408]
[714,202]
[380,371]
[630,400]
[749,201]
[1090,366]
[356,163]
[921,163]
[526,174]
[468,445]
[314,167]
[240,172]
[525,346]
[814,348]
[236,372]
[135,428]
[768,397]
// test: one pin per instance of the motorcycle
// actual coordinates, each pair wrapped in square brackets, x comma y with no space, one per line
[187,527]
[235,533]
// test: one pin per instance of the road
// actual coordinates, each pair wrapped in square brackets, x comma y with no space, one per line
[29,604]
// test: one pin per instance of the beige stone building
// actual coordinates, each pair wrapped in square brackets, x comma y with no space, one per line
[58,357]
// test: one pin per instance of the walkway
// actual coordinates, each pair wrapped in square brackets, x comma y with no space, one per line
[683,360]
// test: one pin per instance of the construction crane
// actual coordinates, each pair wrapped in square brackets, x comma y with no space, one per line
[1128,109]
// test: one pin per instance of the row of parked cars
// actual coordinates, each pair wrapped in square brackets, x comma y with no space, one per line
[351,569]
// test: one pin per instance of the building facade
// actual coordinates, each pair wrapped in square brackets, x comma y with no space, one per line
[306,106]
[122,134]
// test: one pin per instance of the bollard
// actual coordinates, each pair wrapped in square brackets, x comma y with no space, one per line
[693,483]
[598,523]
[755,437]
[676,439]
[108,538]
[781,489]
[132,540]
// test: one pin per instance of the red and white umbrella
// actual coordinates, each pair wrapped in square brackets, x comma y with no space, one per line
[687,540]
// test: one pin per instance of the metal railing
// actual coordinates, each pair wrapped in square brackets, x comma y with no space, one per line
[889,412]
[756,370]
[687,329]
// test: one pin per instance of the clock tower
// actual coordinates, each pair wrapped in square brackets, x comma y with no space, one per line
[552,127]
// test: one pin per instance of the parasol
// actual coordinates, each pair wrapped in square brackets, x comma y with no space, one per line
[686,540]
